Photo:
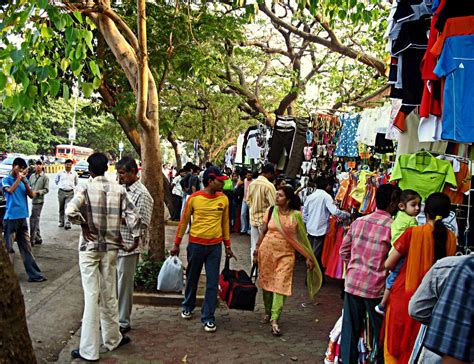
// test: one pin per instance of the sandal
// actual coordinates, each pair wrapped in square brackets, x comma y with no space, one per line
[265,319]
[275,330]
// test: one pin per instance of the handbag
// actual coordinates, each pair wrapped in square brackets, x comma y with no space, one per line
[236,288]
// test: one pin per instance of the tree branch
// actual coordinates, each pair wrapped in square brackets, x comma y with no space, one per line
[339,48]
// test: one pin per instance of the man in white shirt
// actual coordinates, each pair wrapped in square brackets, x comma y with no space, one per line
[177,195]
[317,209]
[66,180]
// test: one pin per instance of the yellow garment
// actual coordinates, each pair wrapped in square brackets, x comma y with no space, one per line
[210,219]
[358,193]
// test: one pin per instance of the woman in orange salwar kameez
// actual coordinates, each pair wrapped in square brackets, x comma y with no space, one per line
[422,246]
[283,233]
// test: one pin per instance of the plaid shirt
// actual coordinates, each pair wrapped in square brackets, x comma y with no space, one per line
[364,250]
[451,329]
[142,199]
[101,204]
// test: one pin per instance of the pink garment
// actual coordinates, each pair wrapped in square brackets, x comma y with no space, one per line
[246,188]
[308,152]
[364,250]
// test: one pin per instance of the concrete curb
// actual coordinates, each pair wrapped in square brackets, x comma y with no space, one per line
[159,299]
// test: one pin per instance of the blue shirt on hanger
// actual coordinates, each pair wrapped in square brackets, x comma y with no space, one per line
[456,64]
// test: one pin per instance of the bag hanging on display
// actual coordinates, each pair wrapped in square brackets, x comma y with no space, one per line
[170,278]
[236,288]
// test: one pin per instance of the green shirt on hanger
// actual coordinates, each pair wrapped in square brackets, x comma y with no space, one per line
[423,173]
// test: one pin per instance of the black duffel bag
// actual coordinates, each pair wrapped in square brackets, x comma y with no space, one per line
[237,289]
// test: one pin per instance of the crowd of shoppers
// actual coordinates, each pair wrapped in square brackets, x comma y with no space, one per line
[396,277]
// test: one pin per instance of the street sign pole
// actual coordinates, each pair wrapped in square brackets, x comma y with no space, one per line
[120,148]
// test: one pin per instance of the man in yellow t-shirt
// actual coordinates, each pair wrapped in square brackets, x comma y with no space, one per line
[210,211]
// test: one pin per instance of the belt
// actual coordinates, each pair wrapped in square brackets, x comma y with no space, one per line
[66,190]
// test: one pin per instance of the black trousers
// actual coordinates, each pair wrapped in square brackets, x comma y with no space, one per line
[355,309]
[177,201]
[292,140]
[317,243]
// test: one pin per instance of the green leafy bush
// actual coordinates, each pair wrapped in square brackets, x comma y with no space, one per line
[147,273]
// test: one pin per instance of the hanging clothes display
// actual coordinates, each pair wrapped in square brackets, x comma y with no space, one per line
[347,144]
[288,142]
[423,173]
[239,155]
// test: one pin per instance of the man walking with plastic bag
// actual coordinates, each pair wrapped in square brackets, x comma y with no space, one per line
[127,171]
[210,211]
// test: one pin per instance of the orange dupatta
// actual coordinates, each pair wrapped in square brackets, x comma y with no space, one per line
[421,255]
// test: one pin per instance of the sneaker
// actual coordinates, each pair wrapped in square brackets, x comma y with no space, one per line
[187,315]
[380,310]
[67,227]
[210,327]
[61,224]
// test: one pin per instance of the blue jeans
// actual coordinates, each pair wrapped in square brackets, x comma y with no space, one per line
[210,257]
[244,218]
[20,228]
[394,274]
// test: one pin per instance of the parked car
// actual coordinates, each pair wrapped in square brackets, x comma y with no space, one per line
[6,166]
[3,204]
[82,169]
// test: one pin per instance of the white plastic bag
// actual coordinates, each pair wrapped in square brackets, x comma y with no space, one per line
[170,278]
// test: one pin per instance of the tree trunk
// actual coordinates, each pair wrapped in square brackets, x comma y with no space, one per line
[153,179]
[177,154]
[15,342]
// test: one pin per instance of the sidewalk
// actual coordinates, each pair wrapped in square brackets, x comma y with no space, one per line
[160,335]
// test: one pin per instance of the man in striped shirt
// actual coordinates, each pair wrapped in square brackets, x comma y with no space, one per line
[261,196]
[127,171]
[98,207]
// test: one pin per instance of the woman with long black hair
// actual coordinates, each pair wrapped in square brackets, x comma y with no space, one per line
[422,246]
[283,233]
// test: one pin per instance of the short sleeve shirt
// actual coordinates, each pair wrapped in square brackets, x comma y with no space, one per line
[423,173]
[456,64]
[17,203]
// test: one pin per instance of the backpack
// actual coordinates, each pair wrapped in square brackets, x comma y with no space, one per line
[236,288]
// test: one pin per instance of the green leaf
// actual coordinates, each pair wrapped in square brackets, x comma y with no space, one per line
[43,4]
[65,92]
[32,91]
[54,86]
[78,71]
[87,89]
[46,33]
[44,88]
[25,82]
[88,36]
[71,34]
[17,55]
[78,16]
[78,53]
[64,64]
[94,68]
[43,73]
[96,82]
[3,81]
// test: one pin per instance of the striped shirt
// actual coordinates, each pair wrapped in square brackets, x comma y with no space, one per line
[261,196]
[451,328]
[101,205]
[142,199]
[364,250]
